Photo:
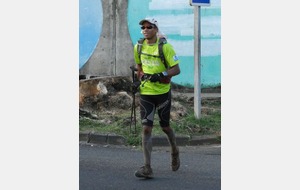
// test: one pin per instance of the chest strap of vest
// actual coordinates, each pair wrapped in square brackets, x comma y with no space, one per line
[161,42]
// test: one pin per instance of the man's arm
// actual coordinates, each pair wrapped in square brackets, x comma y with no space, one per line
[140,72]
[172,71]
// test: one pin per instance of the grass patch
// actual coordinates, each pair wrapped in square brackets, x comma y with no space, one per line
[119,124]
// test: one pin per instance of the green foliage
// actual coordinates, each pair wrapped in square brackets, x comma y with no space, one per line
[205,125]
[209,123]
[134,139]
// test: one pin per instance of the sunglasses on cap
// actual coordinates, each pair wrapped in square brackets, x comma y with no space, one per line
[148,27]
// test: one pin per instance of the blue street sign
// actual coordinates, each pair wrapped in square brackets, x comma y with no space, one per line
[200,2]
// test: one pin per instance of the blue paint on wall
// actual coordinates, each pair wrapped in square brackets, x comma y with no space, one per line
[176,20]
[90,26]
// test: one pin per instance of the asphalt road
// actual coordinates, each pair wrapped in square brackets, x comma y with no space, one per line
[112,167]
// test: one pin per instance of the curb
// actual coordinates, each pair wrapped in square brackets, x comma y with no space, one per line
[156,140]
[102,138]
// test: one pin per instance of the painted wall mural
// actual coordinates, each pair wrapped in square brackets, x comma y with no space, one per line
[176,20]
[90,26]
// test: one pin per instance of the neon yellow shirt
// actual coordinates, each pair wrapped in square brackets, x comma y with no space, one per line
[153,65]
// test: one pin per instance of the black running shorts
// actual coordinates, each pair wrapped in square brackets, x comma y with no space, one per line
[150,103]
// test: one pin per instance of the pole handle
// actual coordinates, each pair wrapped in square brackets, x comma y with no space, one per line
[133,68]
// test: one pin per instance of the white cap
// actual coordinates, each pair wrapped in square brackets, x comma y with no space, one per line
[150,20]
[153,21]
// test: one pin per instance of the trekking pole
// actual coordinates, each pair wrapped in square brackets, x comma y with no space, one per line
[134,87]
[133,112]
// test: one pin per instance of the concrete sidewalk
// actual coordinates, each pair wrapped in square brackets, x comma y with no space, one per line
[203,94]
[94,138]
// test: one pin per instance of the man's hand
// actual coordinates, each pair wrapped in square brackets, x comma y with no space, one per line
[144,77]
[156,77]
[135,86]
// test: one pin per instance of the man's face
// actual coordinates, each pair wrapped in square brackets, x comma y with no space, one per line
[149,30]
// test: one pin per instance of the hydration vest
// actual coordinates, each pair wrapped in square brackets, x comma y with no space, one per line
[161,42]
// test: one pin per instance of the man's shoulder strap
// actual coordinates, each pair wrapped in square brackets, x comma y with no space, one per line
[161,42]
[139,45]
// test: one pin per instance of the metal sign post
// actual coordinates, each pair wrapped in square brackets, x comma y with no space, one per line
[197,62]
[197,54]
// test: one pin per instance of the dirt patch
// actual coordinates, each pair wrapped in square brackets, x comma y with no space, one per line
[103,97]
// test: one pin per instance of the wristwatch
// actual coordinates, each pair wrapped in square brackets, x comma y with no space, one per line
[165,73]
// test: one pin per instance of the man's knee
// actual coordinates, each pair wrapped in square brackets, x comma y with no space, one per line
[147,129]
[167,129]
